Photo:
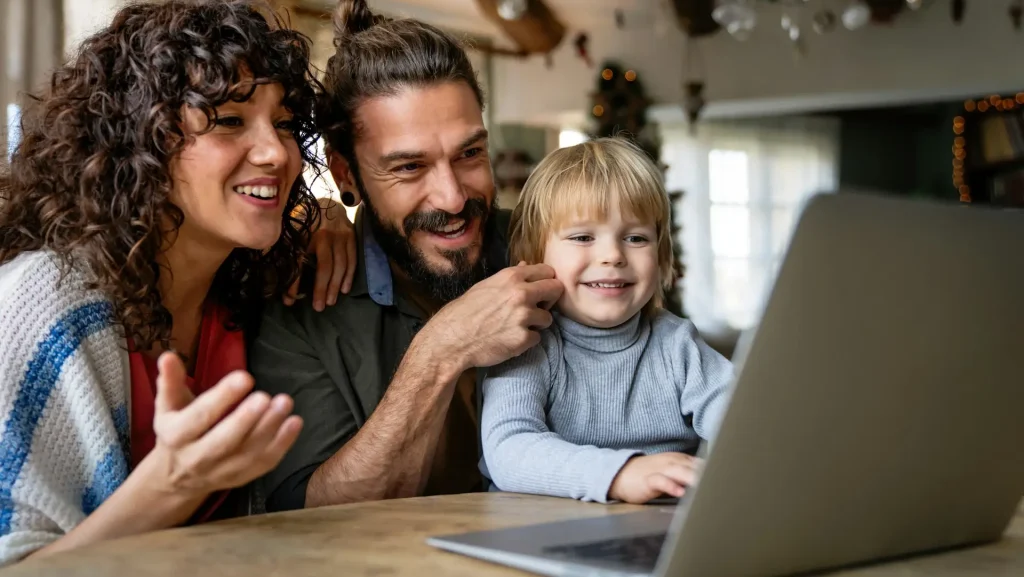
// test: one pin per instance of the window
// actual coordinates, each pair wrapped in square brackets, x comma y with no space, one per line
[13,129]
[570,138]
[743,184]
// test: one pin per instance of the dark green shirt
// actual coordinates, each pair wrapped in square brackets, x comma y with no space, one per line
[336,364]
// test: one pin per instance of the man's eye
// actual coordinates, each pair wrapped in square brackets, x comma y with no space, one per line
[411,167]
[473,152]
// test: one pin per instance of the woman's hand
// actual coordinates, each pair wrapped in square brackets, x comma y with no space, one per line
[334,245]
[221,439]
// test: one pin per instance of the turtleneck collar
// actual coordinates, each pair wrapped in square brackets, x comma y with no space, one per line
[599,340]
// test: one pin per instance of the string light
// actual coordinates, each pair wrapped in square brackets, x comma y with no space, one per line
[598,110]
[630,76]
[995,103]
[607,74]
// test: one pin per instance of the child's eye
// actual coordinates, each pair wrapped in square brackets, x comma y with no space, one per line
[581,238]
[636,239]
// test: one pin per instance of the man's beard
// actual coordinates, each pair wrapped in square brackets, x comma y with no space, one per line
[445,286]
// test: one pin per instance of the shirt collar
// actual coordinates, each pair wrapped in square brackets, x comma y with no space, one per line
[375,266]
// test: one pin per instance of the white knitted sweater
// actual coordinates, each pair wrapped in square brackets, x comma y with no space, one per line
[64,419]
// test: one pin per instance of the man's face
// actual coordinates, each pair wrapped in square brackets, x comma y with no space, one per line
[426,178]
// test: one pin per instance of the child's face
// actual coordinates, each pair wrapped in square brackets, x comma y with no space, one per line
[609,268]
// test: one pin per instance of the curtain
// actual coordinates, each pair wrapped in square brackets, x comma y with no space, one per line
[30,48]
[743,183]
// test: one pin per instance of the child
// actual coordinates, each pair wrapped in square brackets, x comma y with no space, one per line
[619,393]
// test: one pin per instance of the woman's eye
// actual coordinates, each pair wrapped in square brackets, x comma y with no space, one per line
[229,121]
[289,125]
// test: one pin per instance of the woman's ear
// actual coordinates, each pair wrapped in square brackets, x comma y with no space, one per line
[343,178]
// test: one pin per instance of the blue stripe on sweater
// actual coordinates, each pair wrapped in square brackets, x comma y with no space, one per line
[43,370]
[110,472]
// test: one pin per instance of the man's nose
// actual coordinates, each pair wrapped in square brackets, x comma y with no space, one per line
[447,193]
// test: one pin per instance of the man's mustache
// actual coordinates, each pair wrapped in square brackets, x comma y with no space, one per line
[435,220]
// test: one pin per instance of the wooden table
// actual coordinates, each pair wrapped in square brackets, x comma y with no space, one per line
[387,538]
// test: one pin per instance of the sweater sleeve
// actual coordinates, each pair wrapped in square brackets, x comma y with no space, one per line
[521,454]
[705,381]
[63,415]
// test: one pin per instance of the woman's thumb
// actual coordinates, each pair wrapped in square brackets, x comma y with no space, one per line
[172,393]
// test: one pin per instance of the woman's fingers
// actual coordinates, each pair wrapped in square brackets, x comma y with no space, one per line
[350,266]
[263,432]
[341,264]
[324,269]
[228,435]
[192,422]
[282,441]
[172,392]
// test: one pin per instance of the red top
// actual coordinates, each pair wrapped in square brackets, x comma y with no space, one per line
[220,351]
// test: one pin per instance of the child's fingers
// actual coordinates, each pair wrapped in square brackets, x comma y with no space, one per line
[681,474]
[666,485]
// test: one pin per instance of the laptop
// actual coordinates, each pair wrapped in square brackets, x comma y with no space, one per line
[877,410]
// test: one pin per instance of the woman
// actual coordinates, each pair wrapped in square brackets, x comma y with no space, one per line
[154,203]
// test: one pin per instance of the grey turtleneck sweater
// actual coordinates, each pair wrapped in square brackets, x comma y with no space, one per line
[564,417]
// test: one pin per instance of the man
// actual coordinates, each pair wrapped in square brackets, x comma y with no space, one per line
[385,380]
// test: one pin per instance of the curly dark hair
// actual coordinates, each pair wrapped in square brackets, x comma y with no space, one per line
[90,178]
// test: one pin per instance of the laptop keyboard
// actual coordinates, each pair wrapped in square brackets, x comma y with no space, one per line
[639,552]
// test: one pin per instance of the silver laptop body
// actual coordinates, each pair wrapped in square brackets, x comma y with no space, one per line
[878,410]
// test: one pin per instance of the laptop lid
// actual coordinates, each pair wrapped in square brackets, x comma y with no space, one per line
[879,411]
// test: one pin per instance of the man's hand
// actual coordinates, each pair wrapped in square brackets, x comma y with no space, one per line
[499,318]
[649,477]
[334,245]
[220,440]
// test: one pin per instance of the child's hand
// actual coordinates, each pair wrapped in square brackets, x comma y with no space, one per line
[651,476]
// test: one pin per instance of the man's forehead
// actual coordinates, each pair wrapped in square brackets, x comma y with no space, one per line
[432,119]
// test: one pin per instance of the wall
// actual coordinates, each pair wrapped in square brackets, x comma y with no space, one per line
[923,56]
[899,150]
[84,17]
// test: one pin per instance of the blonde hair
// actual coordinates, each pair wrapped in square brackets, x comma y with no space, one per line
[587,180]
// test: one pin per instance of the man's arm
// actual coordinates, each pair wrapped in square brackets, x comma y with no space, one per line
[390,456]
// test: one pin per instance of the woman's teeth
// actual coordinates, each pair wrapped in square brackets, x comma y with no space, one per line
[605,285]
[258,191]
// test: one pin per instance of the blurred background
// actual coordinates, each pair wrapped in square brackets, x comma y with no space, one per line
[750,105]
